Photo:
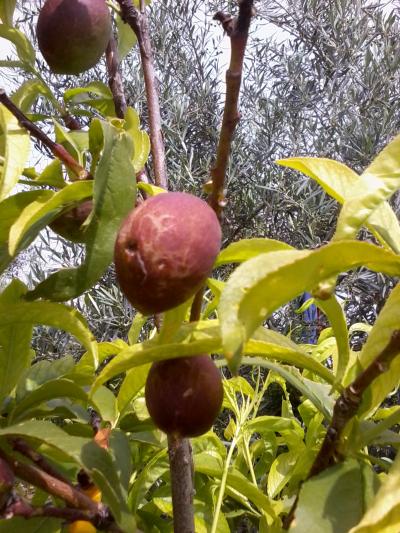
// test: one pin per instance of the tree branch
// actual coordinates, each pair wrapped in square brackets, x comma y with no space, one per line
[57,149]
[238,29]
[115,78]
[23,448]
[181,468]
[137,20]
[345,409]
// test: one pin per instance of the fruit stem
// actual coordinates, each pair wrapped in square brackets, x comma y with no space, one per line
[137,20]
[181,468]
[115,78]
[57,149]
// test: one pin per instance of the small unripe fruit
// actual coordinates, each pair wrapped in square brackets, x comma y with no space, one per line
[73,34]
[165,250]
[184,395]
[69,223]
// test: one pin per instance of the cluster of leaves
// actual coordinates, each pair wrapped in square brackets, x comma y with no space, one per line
[254,467]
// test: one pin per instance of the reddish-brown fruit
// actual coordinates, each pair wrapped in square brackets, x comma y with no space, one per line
[165,250]
[184,396]
[73,34]
[69,223]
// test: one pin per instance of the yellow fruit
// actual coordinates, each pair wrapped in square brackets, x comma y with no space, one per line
[82,526]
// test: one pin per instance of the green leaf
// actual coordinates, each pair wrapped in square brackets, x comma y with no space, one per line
[50,314]
[317,393]
[378,338]
[376,184]
[82,95]
[114,196]
[7,8]
[339,181]
[141,142]
[334,501]
[281,471]
[238,252]
[148,352]
[28,93]
[52,175]
[337,320]
[207,463]
[15,343]
[264,283]
[126,38]
[149,189]
[42,211]
[105,404]
[383,513]
[134,381]
[60,388]
[33,525]
[14,147]
[138,322]
[25,50]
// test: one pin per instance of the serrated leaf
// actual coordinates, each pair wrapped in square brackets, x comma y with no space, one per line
[245,249]
[141,142]
[15,343]
[105,404]
[264,283]
[52,175]
[333,501]
[42,211]
[378,338]
[134,381]
[280,472]
[25,50]
[113,196]
[14,147]
[339,181]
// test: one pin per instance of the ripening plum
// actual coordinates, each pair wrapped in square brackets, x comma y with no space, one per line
[184,395]
[69,223]
[165,250]
[73,34]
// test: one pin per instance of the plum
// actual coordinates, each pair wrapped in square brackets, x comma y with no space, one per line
[73,34]
[184,395]
[165,250]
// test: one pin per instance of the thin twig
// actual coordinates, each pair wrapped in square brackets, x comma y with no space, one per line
[57,149]
[115,78]
[23,447]
[238,29]
[38,478]
[137,20]
[181,468]
[345,409]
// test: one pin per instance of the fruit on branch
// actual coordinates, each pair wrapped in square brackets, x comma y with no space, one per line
[69,223]
[184,395]
[73,34]
[165,250]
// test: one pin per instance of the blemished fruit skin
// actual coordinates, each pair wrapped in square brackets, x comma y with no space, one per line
[184,395]
[69,223]
[165,250]
[73,34]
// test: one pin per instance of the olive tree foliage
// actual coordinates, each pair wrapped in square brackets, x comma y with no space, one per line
[321,78]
